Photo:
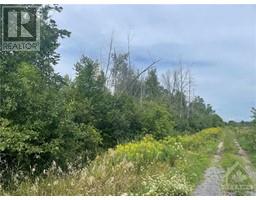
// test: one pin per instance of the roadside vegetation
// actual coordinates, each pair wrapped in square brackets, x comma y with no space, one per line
[247,139]
[170,166]
[237,180]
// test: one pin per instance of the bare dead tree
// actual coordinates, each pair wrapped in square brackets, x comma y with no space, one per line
[128,51]
[141,89]
[176,82]
[181,81]
[190,82]
[109,52]
[168,81]
[147,68]
[180,85]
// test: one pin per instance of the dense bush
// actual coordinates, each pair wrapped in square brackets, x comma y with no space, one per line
[117,118]
[155,119]
[37,125]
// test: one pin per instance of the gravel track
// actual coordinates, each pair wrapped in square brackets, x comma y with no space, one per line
[213,177]
[211,186]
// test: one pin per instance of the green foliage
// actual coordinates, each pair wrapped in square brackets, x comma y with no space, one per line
[203,116]
[152,85]
[44,59]
[155,119]
[90,80]
[123,75]
[36,127]
[117,118]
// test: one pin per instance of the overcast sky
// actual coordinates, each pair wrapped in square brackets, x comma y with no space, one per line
[217,42]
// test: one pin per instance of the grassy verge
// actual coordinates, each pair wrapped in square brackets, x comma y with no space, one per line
[235,180]
[247,139]
[230,150]
[172,166]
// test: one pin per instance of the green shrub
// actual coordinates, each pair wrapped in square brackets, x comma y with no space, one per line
[155,119]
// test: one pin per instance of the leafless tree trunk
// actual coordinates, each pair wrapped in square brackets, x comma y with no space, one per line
[179,85]
[109,52]
[141,90]
[128,49]
[168,82]
[189,92]
[182,87]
